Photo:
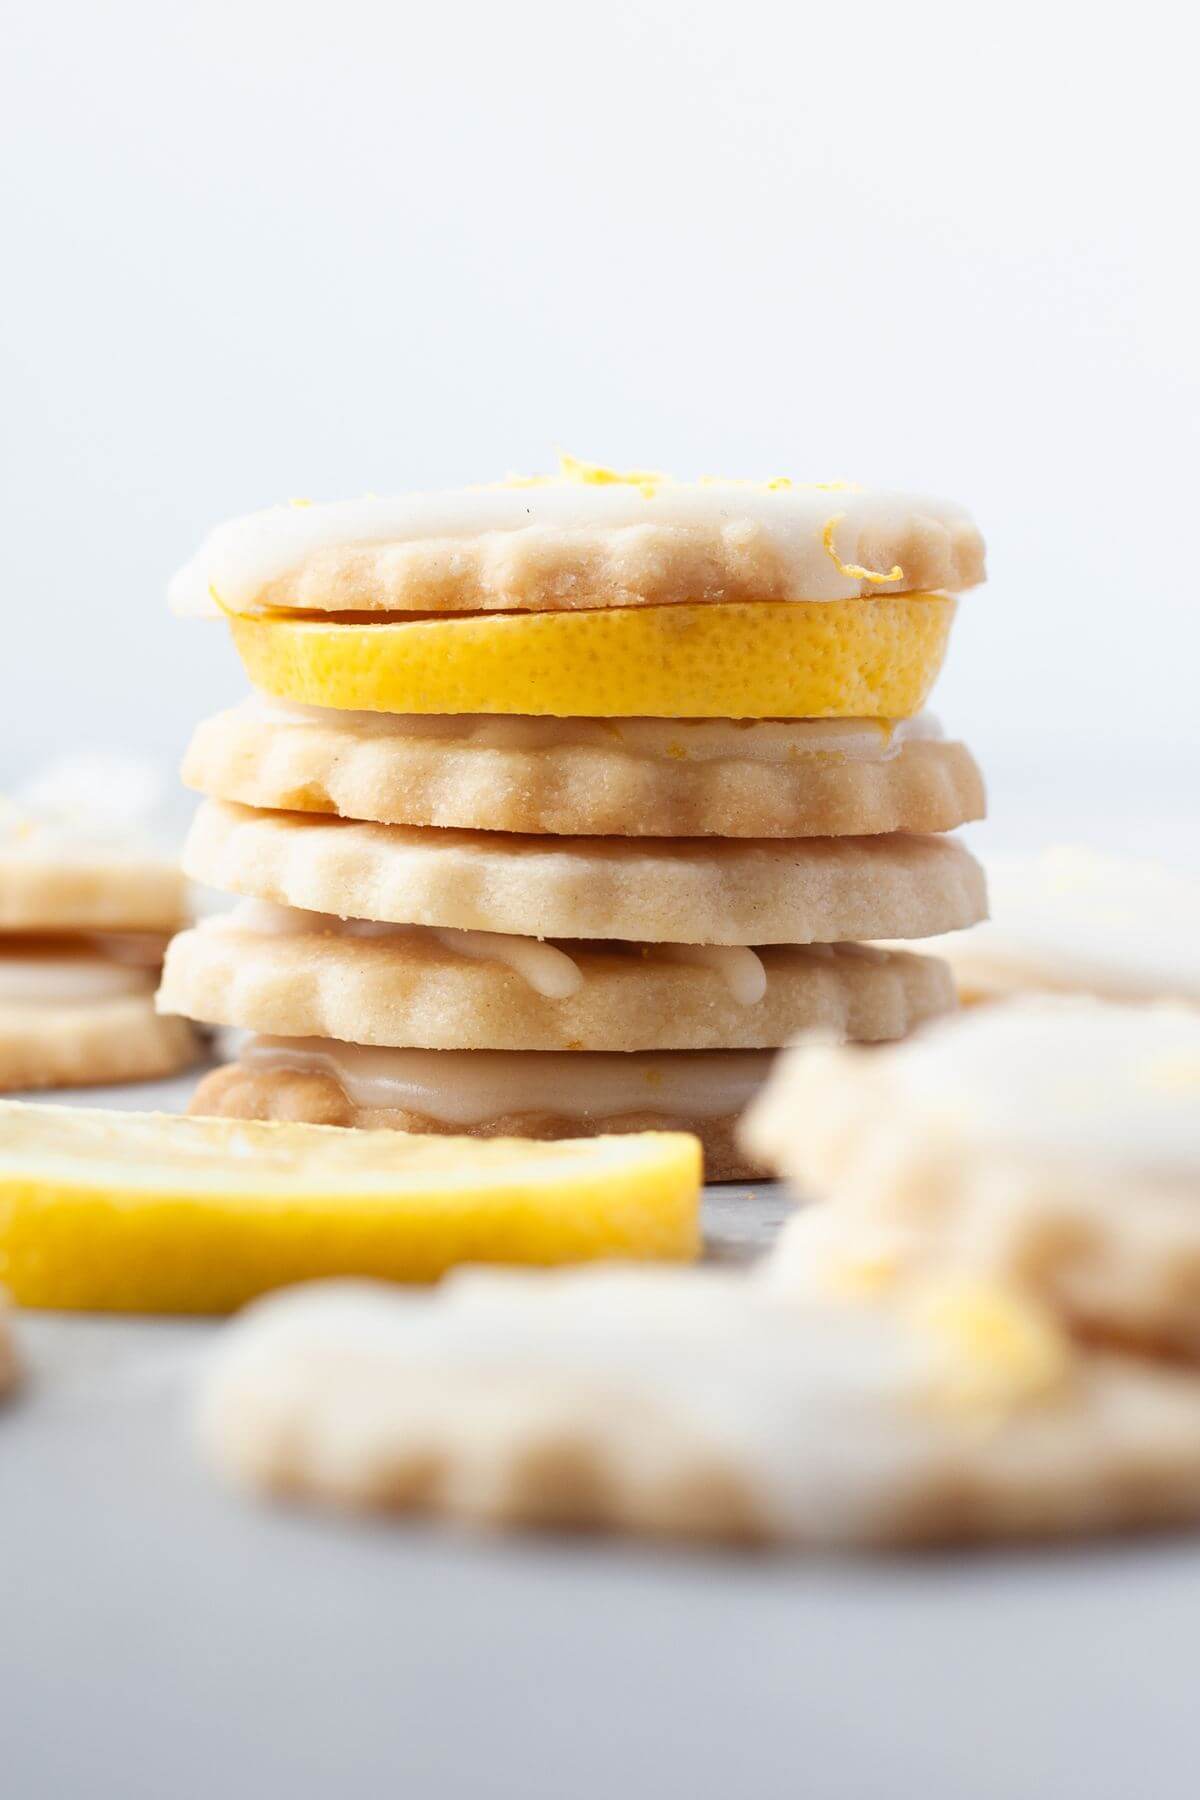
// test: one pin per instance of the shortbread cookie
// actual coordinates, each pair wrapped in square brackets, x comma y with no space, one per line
[1075,921]
[85,1045]
[1053,1142]
[10,1365]
[753,891]
[496,1093]
[875,659]
[698,1405]
[603,777]
[52,887]
[299,975]
[73,855]
[591,538]
[81,1010]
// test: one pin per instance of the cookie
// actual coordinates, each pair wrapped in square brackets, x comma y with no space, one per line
[1075,921]
[699,1405]
[1050,1142]
[300,975]
[585,540]
[793,659]
[592,777]
[119,1039]
[54,888]
[495,1094]
[753,891]
[10,1365]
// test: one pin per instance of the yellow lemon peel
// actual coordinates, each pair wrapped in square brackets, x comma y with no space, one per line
[1002,1348]
[855,570]
[152,1212]
[739,659]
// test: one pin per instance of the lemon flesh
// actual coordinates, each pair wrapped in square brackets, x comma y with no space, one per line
[870,659]
[147,1212]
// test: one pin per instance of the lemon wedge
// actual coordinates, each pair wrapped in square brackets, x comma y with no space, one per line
[870,658]
[148,1212]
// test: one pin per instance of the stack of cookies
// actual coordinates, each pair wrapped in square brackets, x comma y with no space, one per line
[560,804]
[86,909]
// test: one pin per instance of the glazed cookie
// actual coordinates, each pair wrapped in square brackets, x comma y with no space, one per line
[753,891]
[1075,921]
[68,864]
[495,1093]
[591,538]
[604,777]
[1051,1142]
[296,974]
[55,887]
[10,1366]
[700,1406]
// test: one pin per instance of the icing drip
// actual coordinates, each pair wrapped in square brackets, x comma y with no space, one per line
[773,741]
[548,970]
[469,1087]
[37,978]
[740,969]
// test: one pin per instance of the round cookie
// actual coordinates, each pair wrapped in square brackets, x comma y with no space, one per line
[47,886]
[448,990]
[875,658]
[1075,921]
[119,1039]
[496,1094]
[1051,1142]
[602,777]
[590,539]
[753,891]
[698,1405]
[80,1011]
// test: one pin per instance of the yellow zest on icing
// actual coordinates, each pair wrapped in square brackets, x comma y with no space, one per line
[570,468]
[860,1277]
[855,571]
[1001,1347]
[299,500]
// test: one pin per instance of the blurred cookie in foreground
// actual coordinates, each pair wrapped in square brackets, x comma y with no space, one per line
[703,1406]
[1073,920]
[87,905]
[10,1364]
[1051,1142]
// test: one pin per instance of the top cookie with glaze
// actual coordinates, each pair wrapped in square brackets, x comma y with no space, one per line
[587,538]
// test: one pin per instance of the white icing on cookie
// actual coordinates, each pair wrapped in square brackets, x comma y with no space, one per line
[549,969]
[240,558]
[1073,920]
[469,1087]
[32,978]
[775,741]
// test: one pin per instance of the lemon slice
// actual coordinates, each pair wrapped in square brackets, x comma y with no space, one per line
[147,1212]
[872,658]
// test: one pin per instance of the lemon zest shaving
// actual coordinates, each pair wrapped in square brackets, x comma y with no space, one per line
[895,573]
[571,468]
[299,500]
[1002,1347]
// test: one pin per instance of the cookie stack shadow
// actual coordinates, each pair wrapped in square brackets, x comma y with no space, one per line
[477,896]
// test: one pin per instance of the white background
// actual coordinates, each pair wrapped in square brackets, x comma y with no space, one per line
[256,250]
